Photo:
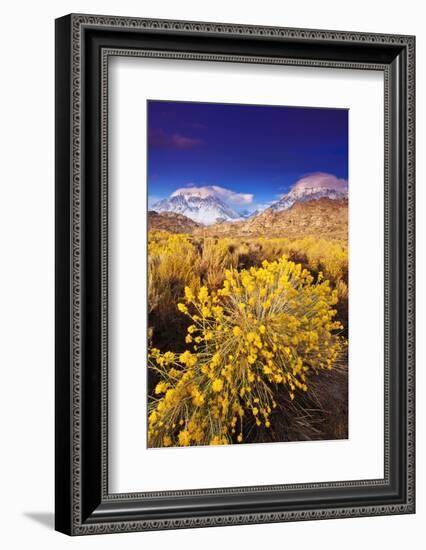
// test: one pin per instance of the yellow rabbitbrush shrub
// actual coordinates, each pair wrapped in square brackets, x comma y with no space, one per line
[265,328]
[328,256]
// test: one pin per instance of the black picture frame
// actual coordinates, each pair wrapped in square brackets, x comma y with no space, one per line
[83,46]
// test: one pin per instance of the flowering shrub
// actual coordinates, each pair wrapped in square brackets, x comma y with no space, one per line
[266,328]
[328,256]
[331,257]
[176,261]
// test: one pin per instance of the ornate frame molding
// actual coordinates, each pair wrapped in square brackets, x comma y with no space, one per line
[72,45]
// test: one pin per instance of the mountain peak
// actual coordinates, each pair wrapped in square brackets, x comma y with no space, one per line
[200,192]
[198,205]
[313,187]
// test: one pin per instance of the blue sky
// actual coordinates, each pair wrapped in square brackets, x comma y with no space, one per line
[252,149]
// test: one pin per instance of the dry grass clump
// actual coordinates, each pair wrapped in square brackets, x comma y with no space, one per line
[171,260]
[214,257]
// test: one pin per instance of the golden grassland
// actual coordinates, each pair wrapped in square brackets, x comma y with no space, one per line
[247,339]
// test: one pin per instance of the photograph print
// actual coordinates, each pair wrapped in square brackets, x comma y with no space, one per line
[247,274]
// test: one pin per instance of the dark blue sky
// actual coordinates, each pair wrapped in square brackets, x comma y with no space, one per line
[256,149]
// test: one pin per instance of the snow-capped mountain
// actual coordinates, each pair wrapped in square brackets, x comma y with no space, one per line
[201,207]
[211,204]
[307,194]
[313,187]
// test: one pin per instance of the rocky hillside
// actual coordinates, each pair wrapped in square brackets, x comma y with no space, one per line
[323,217]
[171,221]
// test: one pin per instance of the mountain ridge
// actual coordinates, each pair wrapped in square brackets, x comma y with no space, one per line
[204,205]
[206,210]
[307,194]
[323,217]
[171,222]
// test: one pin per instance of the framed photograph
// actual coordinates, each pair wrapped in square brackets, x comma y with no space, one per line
[234,274]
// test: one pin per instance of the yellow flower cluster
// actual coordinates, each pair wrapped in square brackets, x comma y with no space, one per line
[177,261]
[265,328]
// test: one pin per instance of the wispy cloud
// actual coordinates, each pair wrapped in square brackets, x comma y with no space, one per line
[152,199]
[160,139]
[321,180]
[226,195]
[263,206]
